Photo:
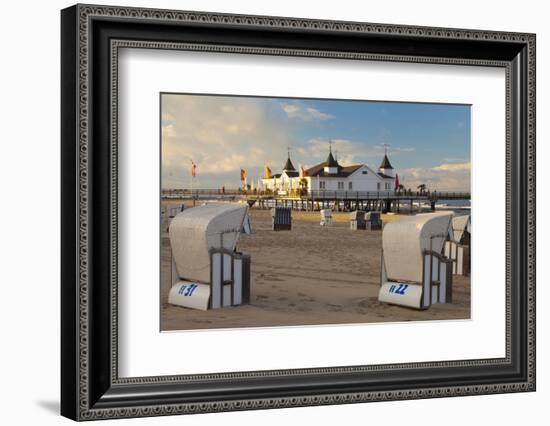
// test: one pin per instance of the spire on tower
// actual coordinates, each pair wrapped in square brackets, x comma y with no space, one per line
[331,162]
[288,165]
[385,161]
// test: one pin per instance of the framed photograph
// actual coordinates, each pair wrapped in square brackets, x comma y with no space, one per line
[263,212]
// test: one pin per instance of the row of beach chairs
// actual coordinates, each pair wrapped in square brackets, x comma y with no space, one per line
[281,219]
[365,220]
[420,255]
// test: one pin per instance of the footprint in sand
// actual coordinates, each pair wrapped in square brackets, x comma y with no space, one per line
[367,303]
[270,278]
[334,307]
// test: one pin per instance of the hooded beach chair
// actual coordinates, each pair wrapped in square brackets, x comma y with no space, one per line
[357,220]
[174,210]
[457,246]
[281,218]
[414,271]
[168,213]
[373,221]
[207,271]
[326,217]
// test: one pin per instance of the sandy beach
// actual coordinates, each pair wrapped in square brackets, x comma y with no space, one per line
[310,275]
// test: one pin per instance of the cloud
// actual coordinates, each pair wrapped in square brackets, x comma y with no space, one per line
[394,149]
[315,151]
[348,152]
[167,118]
[219,134]
[454,160]
[305,113]
[222,134]
[454,167]
[444,177]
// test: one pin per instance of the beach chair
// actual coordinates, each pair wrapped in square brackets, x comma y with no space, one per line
[281,218]
[457,246]
[174,210]
[207,271]
[373,221]
[326,217]
[164,217]
[357,220]
[414,271]
[168,213]
[247,226]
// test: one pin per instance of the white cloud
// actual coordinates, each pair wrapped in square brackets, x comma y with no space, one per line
[315,151]
[167,117]
[168,130]
[305,113]
[347,152]
[221,135]
[444,177]
[454,160]
[394,149]
[454,167]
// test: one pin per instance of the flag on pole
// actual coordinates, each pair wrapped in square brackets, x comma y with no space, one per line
[396,182]
[193,169]
[243,175]
[267,172]
[303,173]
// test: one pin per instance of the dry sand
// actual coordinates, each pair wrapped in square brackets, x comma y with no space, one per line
[310,275]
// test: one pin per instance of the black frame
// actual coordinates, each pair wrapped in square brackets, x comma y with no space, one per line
[90,387]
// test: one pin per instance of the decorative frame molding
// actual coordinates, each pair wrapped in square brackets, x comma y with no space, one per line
[91,37]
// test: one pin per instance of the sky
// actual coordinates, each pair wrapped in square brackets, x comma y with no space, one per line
[426,143]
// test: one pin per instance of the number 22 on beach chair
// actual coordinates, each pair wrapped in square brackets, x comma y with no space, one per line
[414,272]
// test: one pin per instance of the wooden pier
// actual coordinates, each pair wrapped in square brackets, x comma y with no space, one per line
[316,200]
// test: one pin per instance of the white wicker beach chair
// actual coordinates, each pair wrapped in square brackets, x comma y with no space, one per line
[415,273]
[207,271]
[326,217]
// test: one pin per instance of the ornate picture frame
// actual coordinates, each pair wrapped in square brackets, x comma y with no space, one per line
[91,37]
